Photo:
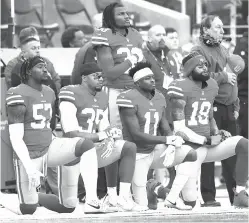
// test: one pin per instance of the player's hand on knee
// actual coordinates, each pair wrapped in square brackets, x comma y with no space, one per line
[107,145]
[114,132]
[224,134]
[216,140]
[176,141]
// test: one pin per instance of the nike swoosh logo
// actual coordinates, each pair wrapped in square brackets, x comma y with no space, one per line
[97,207]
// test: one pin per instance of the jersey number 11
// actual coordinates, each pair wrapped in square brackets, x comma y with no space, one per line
[147,127]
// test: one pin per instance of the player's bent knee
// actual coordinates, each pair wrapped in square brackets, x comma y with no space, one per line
[190,203]
[129,148]
[242,146]
[83,146]
[28,208]
[191,156]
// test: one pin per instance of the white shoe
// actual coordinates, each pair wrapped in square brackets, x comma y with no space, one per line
[169,156]
[109,204]
[177,205]
[127,204]
[93,207]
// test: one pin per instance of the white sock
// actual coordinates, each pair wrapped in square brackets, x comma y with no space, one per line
[112,192]
[183,172]
[239,188]
[89,172]
[125,189]
[10,202]
[178,184]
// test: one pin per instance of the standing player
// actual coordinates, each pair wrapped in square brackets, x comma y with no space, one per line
[118,48]
[84,113]
[192,108]
[142,111]
[29,108]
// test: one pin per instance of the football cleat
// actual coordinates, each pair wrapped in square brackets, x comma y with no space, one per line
[240,199]
[151,195]
[94,207]
[127,204]
[177,205]
[109,203]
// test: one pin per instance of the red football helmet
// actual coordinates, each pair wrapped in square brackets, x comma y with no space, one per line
[236,64]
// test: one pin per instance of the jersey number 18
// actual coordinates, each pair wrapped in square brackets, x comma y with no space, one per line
[200,114]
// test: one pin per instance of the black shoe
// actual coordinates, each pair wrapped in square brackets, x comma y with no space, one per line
[211,204]
[152,197]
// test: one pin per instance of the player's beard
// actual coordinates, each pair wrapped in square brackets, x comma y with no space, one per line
[200,76]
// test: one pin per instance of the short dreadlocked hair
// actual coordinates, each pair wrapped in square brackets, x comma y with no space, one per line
[108,20]
[139,66]
[27,65]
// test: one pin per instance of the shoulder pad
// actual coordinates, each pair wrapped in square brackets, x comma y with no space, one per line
[14,97]
[125,99]
[101,37]
[67,93]
[176,89]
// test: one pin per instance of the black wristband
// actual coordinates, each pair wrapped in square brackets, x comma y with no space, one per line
[209,141]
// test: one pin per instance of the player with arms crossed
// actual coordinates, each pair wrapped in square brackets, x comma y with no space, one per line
[84,113]
[142,111]
[192,108]
[29,108]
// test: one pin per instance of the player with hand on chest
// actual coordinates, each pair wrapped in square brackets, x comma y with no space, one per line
[192,109]
[118,48]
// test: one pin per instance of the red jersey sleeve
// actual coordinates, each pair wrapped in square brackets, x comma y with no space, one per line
[13,97]
[101,37]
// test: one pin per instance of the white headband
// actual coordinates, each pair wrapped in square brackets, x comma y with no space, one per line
[142,73]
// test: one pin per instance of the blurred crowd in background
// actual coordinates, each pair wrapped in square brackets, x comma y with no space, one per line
[51,18]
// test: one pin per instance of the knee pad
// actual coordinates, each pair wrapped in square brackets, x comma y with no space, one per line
[191,156]
[28,208]
[190,203]
[82,146]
